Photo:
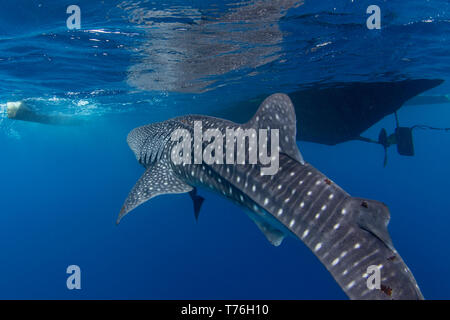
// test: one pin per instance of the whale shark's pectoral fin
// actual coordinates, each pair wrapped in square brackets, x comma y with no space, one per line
[157,180]
[197,200]
[277,112]
[272,234]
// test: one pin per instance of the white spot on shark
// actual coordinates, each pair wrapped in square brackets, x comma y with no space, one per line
[351,284]
[318,246]
[305,233]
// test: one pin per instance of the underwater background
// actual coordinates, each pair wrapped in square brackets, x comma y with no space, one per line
[137,62]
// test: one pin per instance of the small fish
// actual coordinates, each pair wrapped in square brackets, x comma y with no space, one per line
[346,234]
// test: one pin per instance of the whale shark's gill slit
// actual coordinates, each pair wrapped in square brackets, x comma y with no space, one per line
[152,149]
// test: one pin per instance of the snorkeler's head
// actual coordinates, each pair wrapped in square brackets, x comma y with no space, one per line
[12,108]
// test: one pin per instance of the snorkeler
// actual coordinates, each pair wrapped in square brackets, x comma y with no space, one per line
[19,110]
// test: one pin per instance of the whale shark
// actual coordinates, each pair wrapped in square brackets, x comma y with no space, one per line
[347,234]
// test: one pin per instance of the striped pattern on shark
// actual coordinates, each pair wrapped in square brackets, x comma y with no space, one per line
[346,234]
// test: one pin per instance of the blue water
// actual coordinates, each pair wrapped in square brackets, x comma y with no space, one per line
[136,62]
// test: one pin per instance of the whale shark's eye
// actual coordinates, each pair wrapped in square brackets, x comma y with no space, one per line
[392,258]
[364,204]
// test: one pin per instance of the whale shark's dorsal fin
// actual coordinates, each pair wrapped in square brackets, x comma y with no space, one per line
[277,112]
[158,179]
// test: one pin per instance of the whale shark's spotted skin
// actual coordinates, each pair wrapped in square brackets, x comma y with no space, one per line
[347,234]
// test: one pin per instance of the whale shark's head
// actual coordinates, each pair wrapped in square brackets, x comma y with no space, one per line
[149,142]
[136,140]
